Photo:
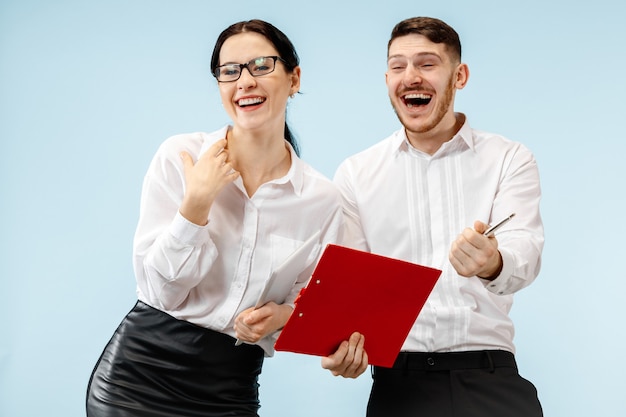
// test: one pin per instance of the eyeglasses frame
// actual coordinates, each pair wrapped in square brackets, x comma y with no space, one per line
[242,66]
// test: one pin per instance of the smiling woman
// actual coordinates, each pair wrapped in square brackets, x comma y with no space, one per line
[227,68]
[219,212]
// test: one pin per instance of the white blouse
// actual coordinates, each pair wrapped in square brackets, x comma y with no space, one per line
[208,274]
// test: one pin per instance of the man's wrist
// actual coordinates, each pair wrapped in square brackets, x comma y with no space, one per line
[496,273]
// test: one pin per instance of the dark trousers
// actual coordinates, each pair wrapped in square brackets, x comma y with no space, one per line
[158,366]
[457,384]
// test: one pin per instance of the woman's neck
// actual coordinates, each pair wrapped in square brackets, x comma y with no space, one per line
[259,157]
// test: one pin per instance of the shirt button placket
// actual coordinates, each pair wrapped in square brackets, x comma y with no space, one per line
[250,225]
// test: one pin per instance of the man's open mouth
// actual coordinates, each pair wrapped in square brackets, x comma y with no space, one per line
[414,100]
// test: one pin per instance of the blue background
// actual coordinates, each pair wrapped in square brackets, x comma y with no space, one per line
[89,89]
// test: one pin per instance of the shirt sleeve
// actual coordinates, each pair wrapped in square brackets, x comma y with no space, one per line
[331,234]
[520,245]
[352,234]
[170,254]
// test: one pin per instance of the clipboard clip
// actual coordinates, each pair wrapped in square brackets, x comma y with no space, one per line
[299,295]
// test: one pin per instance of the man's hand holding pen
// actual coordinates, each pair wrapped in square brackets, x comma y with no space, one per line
[475,252]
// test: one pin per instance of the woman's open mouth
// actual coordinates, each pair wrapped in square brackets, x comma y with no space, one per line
[251,101]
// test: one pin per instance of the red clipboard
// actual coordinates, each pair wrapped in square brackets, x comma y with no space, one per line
[352,290]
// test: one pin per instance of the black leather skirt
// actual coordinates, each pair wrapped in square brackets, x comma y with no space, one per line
[157,365]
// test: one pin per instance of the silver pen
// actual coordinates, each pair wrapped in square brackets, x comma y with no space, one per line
[492,229]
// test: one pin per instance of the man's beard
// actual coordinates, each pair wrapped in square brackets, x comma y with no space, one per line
[440,111]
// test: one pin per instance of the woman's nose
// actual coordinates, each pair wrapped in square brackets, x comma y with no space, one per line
[246,80]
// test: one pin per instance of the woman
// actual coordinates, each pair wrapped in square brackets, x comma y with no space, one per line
[219,212]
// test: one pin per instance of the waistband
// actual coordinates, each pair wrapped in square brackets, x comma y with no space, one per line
[481,359]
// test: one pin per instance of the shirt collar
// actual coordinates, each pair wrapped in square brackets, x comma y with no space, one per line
[465,133]
[295,174]
[400,142]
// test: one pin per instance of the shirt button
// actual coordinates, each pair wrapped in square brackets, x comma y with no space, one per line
[430,361]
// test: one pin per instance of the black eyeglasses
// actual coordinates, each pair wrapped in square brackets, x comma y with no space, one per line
[262,65]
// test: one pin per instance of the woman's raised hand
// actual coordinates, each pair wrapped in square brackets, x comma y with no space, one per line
[204,180]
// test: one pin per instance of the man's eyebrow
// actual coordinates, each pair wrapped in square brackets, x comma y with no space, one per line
[417,55]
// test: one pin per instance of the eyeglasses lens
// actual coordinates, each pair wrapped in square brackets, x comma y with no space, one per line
[257,66]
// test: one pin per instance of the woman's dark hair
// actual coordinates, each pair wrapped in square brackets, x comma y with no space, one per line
[435,30]
[278,39]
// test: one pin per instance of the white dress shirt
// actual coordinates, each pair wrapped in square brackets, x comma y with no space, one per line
[208,274]
[406,204]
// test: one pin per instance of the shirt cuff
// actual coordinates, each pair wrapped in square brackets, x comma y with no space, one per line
[189,233]
[501,283]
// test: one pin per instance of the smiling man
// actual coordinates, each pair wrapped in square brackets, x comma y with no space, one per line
[427,194]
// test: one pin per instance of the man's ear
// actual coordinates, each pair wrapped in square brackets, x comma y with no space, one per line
[462,75]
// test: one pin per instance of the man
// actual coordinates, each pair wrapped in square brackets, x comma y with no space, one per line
[409,197]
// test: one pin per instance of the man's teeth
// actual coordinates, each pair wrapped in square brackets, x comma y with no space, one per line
[250,101]
[417,96]
[416,99]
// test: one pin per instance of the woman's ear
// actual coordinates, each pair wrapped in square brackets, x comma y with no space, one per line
[295,81]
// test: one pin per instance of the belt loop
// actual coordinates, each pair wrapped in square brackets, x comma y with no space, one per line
[492,368]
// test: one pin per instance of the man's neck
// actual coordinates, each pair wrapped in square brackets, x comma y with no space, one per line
[430,142]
